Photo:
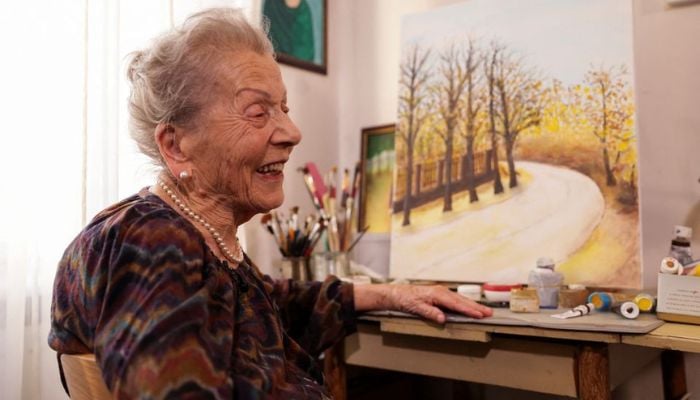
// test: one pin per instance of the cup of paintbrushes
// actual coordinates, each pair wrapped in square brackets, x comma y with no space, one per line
[326,263]
[295,241]
[297,268]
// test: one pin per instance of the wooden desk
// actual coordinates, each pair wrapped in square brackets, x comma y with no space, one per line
[587,365]
[675,339]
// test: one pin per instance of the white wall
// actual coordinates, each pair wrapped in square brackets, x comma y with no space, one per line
[361,90]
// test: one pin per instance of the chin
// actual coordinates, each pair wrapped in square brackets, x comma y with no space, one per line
[272,202]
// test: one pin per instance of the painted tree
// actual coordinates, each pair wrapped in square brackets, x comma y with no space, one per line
[555,114]
[490,62]
[607,104]
[448,91]
[520,103]
[429,145]
[413,111]
[472,105]
[626,169]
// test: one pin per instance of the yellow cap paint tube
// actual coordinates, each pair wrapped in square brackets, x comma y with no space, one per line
[694,271]
[603,301]
[645,302]
[691,269]
[628,309]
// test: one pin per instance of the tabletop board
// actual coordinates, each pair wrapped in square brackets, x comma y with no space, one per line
[594,322]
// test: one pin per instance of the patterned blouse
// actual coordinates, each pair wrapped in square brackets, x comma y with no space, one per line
[165,318]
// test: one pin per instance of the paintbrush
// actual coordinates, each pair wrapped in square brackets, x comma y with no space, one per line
[277,225]
[351,203]
[345,188]
[314,236]
[357,239]
[267,221]
[332,185]
[311,189]
[319,186]
[356,180]
[293,223]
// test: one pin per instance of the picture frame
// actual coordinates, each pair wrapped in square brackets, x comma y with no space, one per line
[298,30]
[377,169]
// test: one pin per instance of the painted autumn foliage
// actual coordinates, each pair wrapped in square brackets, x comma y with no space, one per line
[472,99]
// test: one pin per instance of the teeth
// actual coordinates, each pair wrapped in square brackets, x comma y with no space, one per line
[276,167]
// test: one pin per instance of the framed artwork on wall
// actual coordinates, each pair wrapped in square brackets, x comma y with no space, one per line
[298,30]
[377,164]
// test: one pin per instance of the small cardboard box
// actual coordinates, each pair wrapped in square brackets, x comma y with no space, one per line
[678,298]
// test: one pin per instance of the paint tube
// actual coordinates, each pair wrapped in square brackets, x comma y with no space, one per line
[628,309]
[645,302]
[604,301]
[577,311]
[691,268]
[670,265]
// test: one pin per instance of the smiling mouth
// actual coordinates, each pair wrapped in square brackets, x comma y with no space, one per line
[271,169]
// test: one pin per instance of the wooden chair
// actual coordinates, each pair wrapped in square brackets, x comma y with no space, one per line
[83,377]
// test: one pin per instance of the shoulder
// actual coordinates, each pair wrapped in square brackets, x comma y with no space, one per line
[144,213]
[143,210]
[141,229]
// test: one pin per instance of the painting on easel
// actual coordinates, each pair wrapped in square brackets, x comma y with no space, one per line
[516,140]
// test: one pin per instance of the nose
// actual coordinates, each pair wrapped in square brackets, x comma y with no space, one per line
[286,133]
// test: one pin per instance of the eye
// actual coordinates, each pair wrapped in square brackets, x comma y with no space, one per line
[256,111]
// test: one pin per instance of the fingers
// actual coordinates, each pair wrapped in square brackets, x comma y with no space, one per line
[451,300]
[427,301]
[430,312]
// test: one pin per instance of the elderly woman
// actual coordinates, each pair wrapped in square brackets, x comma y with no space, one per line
[157,285]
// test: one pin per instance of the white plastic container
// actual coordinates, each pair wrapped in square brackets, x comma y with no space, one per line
[470,291]
[547,282]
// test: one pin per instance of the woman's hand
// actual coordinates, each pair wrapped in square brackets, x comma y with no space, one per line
[425,301]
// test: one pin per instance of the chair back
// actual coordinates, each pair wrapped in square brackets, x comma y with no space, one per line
[83,377]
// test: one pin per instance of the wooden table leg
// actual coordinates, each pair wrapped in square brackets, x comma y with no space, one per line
[593,372]
[334,370]
[673,373]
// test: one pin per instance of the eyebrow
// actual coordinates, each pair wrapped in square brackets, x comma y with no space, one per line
[258,91]
[263,93]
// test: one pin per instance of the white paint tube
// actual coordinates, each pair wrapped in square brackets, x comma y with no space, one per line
[670,265]
[628,309]
[577,311]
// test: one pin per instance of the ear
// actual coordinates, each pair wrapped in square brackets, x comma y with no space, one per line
[169,139]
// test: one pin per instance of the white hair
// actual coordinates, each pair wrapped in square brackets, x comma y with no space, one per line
[171,80]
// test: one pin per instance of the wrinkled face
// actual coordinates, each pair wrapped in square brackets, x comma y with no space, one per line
[246,136]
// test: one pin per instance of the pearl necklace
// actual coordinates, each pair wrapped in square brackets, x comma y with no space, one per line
[237,258]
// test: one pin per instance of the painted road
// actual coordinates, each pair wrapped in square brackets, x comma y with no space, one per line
[553,215]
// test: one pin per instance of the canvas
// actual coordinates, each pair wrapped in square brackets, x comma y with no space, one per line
[377,163]
[516,140]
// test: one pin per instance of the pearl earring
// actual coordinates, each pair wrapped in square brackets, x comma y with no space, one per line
[184,175]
